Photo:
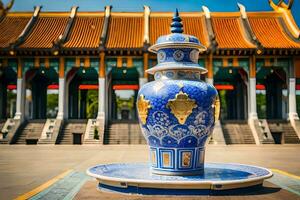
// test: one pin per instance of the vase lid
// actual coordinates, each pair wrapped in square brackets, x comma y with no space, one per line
[177,50]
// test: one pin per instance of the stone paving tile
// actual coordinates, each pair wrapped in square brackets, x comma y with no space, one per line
[69,186]
[287,183]
[24,168]
[269,191]
[65,188]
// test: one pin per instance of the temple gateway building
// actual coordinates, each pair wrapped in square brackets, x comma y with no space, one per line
[72,77]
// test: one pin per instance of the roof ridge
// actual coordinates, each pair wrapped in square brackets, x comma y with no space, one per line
[27,30]
[64,37]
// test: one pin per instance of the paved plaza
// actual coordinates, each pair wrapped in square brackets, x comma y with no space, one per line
[58,172]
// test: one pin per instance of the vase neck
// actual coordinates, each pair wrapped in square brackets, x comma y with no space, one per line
[178,74]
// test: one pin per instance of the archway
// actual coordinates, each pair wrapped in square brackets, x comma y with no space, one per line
[41,93]
[8,81]
[123,92]
[83,93]
[271,92]
[231,85]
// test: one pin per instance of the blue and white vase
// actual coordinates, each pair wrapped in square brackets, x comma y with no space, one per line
[178,110]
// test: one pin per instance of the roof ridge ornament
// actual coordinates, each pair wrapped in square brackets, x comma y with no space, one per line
[284,7]
[176,25]
[206,12]
[146,24]
[4,9]
[281,4]
[242,10]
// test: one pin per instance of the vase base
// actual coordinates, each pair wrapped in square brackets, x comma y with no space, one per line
[136,178]
[178,173]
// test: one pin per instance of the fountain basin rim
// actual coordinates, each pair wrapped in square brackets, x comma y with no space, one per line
[240,182]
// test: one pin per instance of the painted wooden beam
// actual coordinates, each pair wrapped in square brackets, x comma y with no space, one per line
[146,63]
[19,70]
[129,61]
[102,65]
[209,64]
[61,70]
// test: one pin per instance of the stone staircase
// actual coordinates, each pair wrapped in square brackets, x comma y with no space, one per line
[50,131]
[92,126]
[2,134]
[284,130]
[30,132]
[237,132]
[70,127]
[123,133]
[263,131]
[9,130]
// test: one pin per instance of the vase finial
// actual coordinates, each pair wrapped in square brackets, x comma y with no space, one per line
[176,25]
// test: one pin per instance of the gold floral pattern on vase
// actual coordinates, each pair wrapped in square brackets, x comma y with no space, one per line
[186,159]
[182,106]
[143,106]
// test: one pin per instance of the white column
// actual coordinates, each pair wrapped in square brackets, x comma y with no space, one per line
[61,99]
[20,103]
[142,81]
[252,87]
[101,98]
[292,99]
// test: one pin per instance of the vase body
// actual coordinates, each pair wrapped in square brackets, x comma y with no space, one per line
[177,111]
[180,118]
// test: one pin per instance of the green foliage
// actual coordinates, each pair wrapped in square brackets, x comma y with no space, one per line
[127,103]
[92,104]
[11,105]
[52,105]
[261,105]
[223,111]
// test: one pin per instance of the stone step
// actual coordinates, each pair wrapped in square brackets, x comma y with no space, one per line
[237,133]
[288,133]
[32,130]
[66,135]
[91,141]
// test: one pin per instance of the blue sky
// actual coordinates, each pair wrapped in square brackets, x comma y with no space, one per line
[155,5]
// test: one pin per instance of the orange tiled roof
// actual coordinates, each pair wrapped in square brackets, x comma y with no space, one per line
[45,31]
[196,26]
[158,26]
[229,33]
[270,33]
[85,33]
[11,28]
[125,32]
[191,25]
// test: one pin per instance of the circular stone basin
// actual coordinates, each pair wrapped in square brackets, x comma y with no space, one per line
[136,178]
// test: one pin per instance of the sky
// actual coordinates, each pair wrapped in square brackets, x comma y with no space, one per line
[155,5]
